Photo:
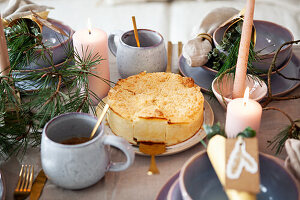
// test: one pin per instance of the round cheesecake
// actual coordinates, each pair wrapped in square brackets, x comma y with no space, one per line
[155,107]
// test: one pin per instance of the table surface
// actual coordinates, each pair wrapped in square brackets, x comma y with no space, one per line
[134,183]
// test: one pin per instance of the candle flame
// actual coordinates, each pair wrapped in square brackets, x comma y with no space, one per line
[246,96]
[89,25]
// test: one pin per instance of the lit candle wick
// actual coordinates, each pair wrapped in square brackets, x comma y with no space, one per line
[246,96]
[89,26]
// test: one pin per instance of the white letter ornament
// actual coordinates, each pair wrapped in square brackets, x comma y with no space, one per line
[238,159]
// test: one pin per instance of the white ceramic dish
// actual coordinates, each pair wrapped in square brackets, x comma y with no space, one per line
[200,135]
[258,89]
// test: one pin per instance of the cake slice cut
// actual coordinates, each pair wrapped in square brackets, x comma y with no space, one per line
[149,125]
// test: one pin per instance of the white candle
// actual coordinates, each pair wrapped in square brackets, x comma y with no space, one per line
[241,113]
[94,41]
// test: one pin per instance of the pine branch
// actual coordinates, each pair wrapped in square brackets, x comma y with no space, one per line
[23,39]
[270,97]
[60,89]
[291,131]
[230,44]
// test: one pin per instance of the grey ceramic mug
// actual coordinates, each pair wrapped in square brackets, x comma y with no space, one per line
[131,60]
[80,165]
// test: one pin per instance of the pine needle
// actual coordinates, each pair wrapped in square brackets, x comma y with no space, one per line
[59,89]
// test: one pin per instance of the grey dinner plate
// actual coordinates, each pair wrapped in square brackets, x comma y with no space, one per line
[27,85]
[175,193]
[273,176]
[280,86]
[201,182]
[162,195]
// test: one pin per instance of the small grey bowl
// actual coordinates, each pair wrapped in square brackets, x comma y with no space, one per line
[198,180]
[269,37]
[56,43]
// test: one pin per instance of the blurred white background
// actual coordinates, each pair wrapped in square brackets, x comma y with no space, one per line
[173,19]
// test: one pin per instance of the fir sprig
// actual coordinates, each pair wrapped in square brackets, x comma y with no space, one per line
[23,40]
[216,129]
[58,89]
[290,131]
[221,62]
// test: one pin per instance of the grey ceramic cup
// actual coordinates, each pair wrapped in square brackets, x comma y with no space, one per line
[80,165]
[131,60]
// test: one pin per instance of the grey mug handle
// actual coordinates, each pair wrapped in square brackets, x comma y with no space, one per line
[125,147]
[113,47]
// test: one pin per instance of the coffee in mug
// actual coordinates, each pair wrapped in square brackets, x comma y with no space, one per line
[75,140]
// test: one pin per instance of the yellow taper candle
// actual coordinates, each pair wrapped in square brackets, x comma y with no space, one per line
[242,61]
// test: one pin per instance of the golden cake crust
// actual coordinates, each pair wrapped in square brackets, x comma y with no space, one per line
[155,107]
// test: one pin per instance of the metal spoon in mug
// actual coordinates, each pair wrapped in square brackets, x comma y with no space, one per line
[105,109]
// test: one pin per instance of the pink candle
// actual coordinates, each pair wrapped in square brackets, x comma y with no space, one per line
[4,59]
[241,113]
[242,61]
[94,41]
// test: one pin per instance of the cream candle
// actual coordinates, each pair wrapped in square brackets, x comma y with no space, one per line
[4,59]
[241,113]
[94,41]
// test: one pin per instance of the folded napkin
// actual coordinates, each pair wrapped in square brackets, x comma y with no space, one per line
[195,51]
[21,8]
[116,2]
[292,162]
